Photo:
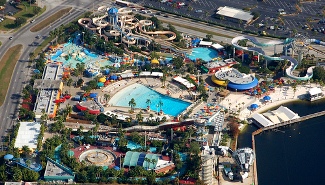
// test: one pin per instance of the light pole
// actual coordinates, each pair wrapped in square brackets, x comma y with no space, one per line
[198,77]
[83,37]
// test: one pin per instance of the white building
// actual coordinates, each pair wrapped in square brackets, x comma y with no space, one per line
[208,168]
[234,14]
[27,135]
[274,117]
[315,93]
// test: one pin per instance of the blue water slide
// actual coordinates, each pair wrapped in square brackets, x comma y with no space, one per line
[88,53]
[260,51]
[57,54]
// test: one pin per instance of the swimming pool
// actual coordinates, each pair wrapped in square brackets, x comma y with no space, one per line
[206,54]
[70,54]
[141,93]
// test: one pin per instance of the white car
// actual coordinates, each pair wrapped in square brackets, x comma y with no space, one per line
[198,11]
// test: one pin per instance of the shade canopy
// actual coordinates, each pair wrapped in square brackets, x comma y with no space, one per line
[100,84]
[113,77]
[154,61]
[267,98]
[102,79]
[8,157]
[254,106]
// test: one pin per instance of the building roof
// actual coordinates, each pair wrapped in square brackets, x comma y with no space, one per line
[27,135]
[235,13]
[262,120]
[205,43]
[47,84]
[138,159]
[183,81]
[217,46]
[276,116]
[52,72]
[315,91]
[14,183]
[289,113]
[45,100]
[54,169]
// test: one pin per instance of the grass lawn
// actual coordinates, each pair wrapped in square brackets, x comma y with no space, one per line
[7,66]
[46,22]
[25,11]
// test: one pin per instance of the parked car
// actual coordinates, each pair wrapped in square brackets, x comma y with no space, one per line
[32,21]
[198,11]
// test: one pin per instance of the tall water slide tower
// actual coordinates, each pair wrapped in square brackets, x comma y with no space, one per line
[113,16]
[300,46]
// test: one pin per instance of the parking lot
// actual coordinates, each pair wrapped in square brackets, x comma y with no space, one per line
[291,20]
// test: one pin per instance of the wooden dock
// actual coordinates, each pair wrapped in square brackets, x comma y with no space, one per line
[274,127]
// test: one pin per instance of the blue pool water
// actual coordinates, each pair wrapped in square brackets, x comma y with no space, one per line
[141,93]
[78,54]
[132,145]
[206,54]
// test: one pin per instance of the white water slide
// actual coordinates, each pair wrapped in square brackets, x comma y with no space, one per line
[260,51]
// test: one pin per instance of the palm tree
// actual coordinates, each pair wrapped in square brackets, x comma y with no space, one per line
[68,109]
[132,104]
[226,83]
[148,102]
[31,56]
[139,117]
[106,96]
[25,149]
[148,162]
[160,104]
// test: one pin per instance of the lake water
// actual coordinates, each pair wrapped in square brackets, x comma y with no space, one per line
[294,155]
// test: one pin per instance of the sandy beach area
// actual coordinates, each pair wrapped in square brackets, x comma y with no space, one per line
[240,103]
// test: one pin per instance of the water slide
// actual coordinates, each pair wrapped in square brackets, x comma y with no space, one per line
[260,51]
[128,23]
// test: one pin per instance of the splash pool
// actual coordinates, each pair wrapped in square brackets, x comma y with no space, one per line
[70,54]
[141,93]
[206,54]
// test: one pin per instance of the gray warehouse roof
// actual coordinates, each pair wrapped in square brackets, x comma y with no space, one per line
[235,13]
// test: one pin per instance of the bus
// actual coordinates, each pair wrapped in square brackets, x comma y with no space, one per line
[123,3]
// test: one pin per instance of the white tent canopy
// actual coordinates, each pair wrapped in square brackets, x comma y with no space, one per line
[217,46]
[205,43]
[314,91]
[127,75]
[184,82]
[156,74]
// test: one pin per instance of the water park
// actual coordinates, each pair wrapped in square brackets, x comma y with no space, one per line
[143,99]
[300,45]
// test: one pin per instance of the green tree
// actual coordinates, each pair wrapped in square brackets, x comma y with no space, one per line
[148,102]
[17,174]
[36,10]
[209,37]
[132,104]
[20,21]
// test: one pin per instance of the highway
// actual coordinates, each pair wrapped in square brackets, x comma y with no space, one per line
[21,73]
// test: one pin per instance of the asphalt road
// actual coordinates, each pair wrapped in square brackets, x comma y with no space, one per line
[21,73]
